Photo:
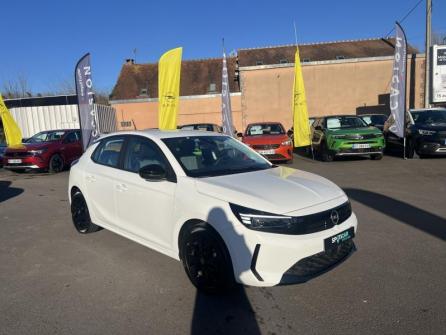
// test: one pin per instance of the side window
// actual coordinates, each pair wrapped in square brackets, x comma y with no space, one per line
[107,153]
[70,138]
[141,152]
[78,135]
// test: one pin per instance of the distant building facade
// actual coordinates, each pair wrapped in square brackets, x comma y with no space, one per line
[347,77]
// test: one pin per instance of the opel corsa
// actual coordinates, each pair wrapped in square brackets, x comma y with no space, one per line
[215,204]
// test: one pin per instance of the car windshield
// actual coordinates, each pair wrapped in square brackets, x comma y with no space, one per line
[374,119]
[207,156]
[265,129]
[204,127]
[46,136]
[429,117]
[342,122]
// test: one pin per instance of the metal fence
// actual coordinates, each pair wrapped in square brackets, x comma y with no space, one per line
[33,119]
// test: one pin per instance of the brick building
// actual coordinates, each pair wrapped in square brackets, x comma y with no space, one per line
[348,77]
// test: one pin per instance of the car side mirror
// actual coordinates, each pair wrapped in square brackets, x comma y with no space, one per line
[153,172]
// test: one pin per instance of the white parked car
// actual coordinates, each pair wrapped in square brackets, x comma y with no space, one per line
[215,204]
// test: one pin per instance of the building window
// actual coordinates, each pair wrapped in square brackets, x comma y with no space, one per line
[126,124]
[306,60]
[283,61]
[259,62]
[212,88]
[340,57]
[143,92]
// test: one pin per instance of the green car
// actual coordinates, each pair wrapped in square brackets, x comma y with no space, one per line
[346,135]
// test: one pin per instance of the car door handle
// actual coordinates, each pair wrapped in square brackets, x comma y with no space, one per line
[122,187]
[91,178]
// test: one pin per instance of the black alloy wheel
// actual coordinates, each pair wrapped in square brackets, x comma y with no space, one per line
[326,154]
[206,260]
[55,164]
[81,216]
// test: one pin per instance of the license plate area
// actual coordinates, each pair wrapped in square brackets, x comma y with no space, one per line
[14,161]
[361,146]
[267,152]
[335,240]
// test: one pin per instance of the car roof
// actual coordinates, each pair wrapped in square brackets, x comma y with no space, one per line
[372,114]
[270,122]
[160,134]
[428,109]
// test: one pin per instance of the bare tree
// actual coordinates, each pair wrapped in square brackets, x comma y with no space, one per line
[438,38]
[17,88]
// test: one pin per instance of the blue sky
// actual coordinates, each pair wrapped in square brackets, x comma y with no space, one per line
[42,40]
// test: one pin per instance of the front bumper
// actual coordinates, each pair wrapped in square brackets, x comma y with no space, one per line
[282,153]
[263,259]
[24,163]
[432,147]
[353,147]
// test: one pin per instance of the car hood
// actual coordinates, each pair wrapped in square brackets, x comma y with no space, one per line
[432,126]
[29,146]
[265,139]
[350,131]
[278,190]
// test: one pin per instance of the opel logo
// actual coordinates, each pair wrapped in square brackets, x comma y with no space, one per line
[334,217]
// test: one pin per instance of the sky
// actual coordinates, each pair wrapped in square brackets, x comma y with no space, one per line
[43,40]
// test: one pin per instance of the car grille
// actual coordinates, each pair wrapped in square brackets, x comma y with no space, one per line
[360,137]
[311,266]
[360,150]
[275,157]
[265,146]
[314,223]
[17,154]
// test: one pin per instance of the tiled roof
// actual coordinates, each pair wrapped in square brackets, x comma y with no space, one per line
[196,78]
[319,51]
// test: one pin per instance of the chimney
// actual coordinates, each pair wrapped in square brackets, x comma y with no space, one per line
[129,61]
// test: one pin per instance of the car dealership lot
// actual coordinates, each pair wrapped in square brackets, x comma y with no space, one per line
[53,280]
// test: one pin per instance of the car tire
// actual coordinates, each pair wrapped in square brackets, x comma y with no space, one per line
[376,157]
[326,155]
[410,149]
[80,215]
[206,259]
[55,164]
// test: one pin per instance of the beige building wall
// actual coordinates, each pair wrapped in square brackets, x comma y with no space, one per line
[332,87]
[201,109]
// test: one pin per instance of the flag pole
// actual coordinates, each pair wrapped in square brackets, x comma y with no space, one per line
[311,142]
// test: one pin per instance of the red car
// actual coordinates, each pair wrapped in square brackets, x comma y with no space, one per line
[270,140]
[50,150]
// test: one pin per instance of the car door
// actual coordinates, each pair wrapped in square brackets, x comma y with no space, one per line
[71,147]
[99,177]
[145,208]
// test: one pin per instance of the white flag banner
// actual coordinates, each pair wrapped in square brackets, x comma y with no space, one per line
[226,111]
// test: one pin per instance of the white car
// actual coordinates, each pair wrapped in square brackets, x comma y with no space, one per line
[215,204]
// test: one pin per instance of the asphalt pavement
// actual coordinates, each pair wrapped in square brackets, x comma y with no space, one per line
[56,281]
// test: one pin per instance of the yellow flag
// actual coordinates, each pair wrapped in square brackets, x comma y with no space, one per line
[12,131]
[169,69]
[300,113]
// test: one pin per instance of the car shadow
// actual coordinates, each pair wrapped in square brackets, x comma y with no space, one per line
[230,312]
[416,217]
[7,192]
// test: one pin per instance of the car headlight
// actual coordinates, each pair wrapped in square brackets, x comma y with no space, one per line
[287,142]
[291,225]
[426,132]
[38,152]
[258,220]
